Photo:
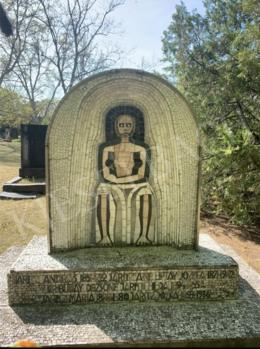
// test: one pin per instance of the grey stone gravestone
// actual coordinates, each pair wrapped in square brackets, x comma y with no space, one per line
[33,150]
[123,170]
[32,165]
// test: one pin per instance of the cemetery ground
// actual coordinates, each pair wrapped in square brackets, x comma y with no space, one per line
[22,219]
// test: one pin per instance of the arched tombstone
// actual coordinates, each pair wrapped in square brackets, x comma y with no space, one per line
[122,164]
[122,170]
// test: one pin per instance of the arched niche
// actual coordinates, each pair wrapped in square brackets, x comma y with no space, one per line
[75,134]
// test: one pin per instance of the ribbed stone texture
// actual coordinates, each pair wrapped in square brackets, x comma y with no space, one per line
[73,140]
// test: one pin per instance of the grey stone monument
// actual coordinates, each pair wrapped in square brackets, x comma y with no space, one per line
[123,171]
[32,165]
[32,150]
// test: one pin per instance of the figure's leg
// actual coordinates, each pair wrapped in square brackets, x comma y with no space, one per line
[145,218]
[103,216]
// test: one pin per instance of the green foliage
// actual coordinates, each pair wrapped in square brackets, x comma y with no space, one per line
[214,60]
[231,181]
[45,109]
[13,109]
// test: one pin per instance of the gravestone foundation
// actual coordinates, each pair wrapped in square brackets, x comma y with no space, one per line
[123,176]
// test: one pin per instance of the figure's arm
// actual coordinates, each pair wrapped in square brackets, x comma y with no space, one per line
[141,171]
[106,171]
[123,180]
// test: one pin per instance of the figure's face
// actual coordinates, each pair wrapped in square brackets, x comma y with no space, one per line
[125,125]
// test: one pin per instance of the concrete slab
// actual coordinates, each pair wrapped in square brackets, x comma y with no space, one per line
[14,186]
[132,274]
[23,188]
[17,196]
[35,257]
[229,323]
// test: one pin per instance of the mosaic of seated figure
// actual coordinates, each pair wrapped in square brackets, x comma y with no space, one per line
[124,200]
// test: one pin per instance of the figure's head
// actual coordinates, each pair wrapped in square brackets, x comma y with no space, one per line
[125,125]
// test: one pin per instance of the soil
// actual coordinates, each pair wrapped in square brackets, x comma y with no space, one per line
[243,240]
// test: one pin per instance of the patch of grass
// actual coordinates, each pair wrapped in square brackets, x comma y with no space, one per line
[10,153]
[31,180]
[20,219]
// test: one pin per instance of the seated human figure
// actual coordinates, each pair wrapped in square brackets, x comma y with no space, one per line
[124,171]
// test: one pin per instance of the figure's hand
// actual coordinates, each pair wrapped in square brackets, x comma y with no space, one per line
[122,180]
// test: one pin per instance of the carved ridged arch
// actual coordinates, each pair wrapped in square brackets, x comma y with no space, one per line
[78,128]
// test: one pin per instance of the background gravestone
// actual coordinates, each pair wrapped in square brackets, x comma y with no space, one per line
[33,150]
[77,131]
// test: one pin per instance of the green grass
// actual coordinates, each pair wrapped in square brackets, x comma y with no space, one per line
[20,220]
[10,153]
[31,180]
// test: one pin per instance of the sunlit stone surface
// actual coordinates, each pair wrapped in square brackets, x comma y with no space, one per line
[110,186]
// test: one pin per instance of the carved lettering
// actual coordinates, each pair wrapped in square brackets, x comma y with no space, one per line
[85,277]
[57,278]
[23,279]
[185,275]
[119,277]
[125,286]
[171,275]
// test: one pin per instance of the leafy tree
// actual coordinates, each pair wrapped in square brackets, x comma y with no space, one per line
[214,60]
[46,109]
[14,110]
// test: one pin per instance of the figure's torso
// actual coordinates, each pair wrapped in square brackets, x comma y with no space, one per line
[124,158]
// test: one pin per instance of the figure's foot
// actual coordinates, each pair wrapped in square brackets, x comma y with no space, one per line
[105,241]
[143,240]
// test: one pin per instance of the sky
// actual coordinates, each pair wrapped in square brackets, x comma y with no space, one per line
[142,25]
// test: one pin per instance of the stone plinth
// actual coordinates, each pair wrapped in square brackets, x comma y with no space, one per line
[230,323]
[129,274]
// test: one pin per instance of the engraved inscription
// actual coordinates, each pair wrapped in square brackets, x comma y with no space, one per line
[123,286]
